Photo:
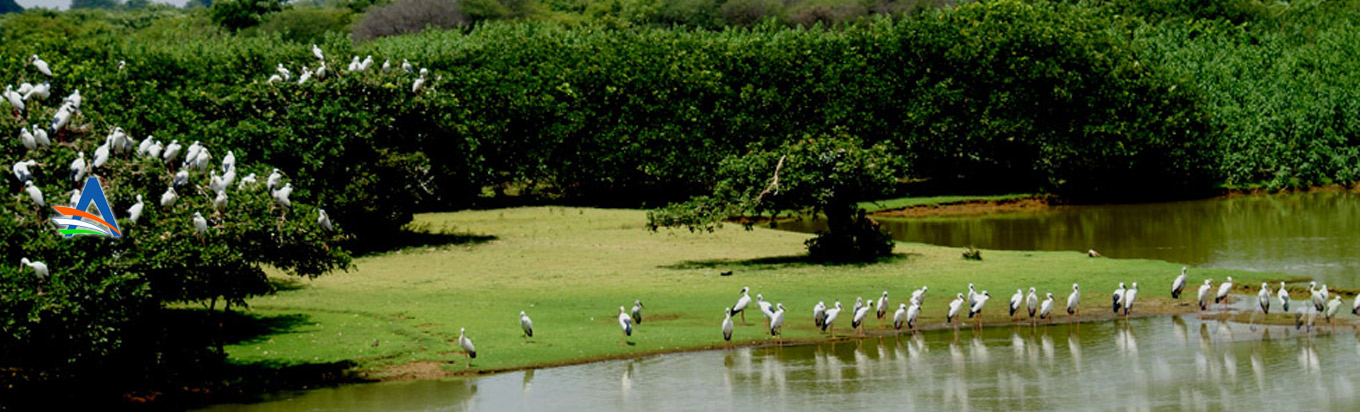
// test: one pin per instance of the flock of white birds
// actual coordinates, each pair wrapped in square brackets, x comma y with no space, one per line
[824,317]
[197,159]
[284,75]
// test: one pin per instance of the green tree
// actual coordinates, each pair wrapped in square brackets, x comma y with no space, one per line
[94,4]
[812,176]
[240,14]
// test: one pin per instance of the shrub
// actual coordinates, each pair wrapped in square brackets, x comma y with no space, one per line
[409,16]
[307,24]
[239,14]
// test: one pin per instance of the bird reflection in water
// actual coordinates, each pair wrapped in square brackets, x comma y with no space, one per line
[1074,345]
[528,380]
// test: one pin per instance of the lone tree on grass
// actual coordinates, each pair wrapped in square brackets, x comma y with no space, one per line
[823,175]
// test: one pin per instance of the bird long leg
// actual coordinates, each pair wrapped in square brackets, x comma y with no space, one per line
[743,318]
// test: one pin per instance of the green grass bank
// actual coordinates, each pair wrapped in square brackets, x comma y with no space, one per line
[571,269]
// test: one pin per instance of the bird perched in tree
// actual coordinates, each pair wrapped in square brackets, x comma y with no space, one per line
[41,65]
[323,220]
[316,51]
[171,151]
[77,168]
[14,99]
[39,268]
[135,212]
[22,170]
[281,195]
[40,136]
[200,224]
[169,197]
[220,201]
[34,193]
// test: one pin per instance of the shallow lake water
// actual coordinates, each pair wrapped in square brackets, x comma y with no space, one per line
[1155,363]
[1314,235]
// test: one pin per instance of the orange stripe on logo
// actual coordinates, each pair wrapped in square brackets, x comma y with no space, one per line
[77,212]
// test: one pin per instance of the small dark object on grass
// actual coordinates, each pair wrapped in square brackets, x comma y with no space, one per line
[727,273]
[972,253]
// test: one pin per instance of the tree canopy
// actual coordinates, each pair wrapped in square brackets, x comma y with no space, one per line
[811,176]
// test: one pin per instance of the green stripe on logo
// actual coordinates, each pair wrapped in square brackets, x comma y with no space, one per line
[81,232]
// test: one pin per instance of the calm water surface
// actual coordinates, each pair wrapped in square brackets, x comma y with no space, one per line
[1308,234]
[1156,363]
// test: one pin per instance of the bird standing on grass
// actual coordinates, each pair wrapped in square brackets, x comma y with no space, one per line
[1074,303]
[882,307]
[1178,285]
[955,308]
[1118,297]
[526,324]
[976,309]
[742,303]
[625,323]
[777,321]
[637,311]
[1129,296]
[860,315]
[912,313]
[1204,291]
[764,308]
[831,315]
[918,295]
[1223,291]
[1017,300]
[1047,307]
[900,317]
[819,314]
[1032,303]
[466,343]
